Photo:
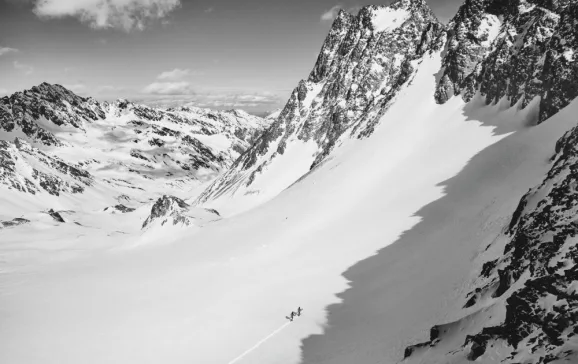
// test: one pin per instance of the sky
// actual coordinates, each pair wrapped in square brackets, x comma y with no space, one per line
[222,54]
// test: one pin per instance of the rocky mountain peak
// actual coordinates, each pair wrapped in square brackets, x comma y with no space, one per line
[168,207]
[48,87]
[55,93]
[54,103]
[239,113]
[364,61]
[122,103]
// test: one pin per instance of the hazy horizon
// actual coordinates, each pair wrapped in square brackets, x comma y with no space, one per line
[219,54]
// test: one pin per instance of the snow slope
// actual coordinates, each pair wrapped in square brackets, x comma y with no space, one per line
[216,291]
[422,279]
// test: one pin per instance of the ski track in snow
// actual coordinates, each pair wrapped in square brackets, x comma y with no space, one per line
[259,343]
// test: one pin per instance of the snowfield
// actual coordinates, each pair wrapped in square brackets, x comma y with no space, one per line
[446,175]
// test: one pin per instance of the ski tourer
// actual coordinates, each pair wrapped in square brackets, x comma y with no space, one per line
[293,314]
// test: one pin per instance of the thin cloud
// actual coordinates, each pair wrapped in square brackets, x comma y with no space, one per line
[126,15]
[209,10]
[77,88]
[169,88]
[226,100]
[6,50]
[27,69]
[109,89]
[177,74]
[331,14]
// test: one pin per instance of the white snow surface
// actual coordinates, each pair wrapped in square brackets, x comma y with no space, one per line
[208,294]
[388,19]
[279,173]
[490,26]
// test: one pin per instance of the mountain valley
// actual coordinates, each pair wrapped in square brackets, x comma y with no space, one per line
[416,195]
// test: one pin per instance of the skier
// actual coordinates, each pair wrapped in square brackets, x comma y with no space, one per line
[293,314]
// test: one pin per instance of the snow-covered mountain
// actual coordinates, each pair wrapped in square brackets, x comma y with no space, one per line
[521,305]
[517,55]
[448,150]
[518,50]
[69,150]
[363,62]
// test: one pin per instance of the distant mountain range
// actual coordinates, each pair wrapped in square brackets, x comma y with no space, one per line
[58,144]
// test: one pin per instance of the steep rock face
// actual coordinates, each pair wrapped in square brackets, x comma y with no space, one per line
[534,280]
[519,49]
[363,62]
[541,261]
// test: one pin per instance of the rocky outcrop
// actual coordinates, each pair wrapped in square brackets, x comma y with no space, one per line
[541,260]
[535,278]
[13,223]
[175,211]
[119,208]
[56,215]
[517,49]
[168,207]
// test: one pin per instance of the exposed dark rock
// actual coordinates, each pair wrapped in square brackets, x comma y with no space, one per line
[214,211]
[51,102]
[120,207]
[14,222]
[56,215]
[168,207]
[515,49]
[536,275]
